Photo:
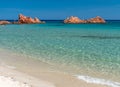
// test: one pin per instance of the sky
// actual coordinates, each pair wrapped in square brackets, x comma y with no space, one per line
[60,9]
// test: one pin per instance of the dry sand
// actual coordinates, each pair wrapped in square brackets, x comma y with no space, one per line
[13,78]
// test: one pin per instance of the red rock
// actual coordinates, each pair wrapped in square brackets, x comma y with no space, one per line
[36,20]
[96,20]
[76,20]
[4,22]
[28,20]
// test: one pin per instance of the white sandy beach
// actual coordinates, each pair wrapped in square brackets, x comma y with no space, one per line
[9,82]
[16,72]
[13,78]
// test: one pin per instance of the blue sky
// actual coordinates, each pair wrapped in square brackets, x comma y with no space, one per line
[60,9]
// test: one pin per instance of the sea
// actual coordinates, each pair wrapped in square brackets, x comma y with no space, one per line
[90,52]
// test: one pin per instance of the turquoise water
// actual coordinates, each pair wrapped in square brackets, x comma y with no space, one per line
[91,47]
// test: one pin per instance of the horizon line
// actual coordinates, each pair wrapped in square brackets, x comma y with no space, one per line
[56,19]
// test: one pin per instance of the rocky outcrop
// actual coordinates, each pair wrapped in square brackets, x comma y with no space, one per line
[28,20]
[76,20]
[4,22]
[73,20]
[96,20]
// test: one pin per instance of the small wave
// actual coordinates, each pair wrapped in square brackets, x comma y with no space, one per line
[89,79]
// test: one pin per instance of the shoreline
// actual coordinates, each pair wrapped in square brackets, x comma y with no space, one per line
[13,77]
[42,72]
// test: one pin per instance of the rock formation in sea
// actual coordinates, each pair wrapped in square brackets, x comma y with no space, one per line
[76,20]
[28,20]
[97,19]
[4,22]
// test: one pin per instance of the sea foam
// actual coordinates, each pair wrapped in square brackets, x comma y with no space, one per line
[89,79]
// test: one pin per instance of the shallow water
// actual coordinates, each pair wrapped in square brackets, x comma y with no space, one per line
[88,49]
